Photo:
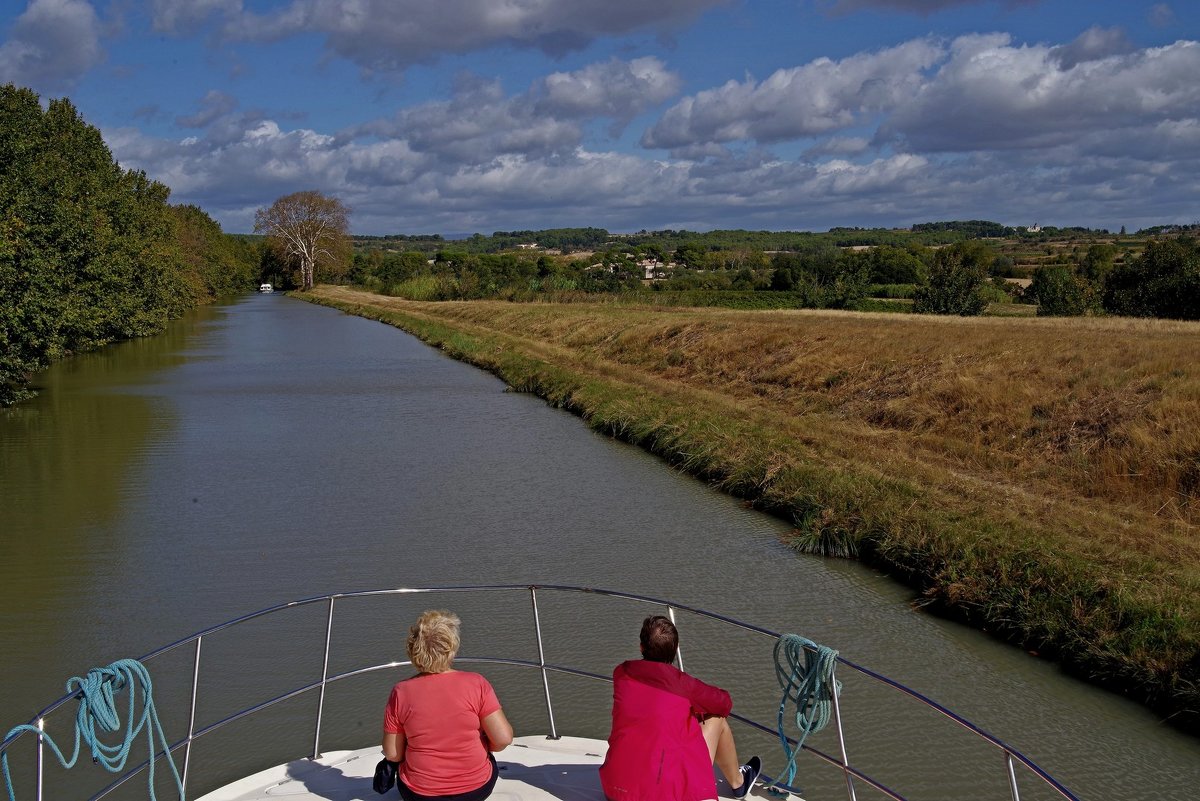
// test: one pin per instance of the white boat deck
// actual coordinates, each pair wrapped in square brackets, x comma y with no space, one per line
[533,768]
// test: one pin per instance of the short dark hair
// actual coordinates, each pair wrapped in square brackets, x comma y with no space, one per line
[660,639]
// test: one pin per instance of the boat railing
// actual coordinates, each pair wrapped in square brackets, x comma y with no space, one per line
[1012,760]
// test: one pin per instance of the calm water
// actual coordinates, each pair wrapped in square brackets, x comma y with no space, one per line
[271,450]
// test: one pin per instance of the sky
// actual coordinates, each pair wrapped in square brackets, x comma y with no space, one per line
[462,116]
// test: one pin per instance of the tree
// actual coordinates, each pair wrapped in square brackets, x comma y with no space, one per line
[1060,292]
[1163,282]
[955,286]
[307,229]
[1097,263]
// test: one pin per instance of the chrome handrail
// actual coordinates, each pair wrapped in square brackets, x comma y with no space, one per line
[1011,755]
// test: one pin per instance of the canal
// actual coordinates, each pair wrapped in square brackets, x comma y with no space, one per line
[269,449]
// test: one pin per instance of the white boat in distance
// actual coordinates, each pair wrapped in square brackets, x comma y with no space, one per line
[265,288]
[536,767]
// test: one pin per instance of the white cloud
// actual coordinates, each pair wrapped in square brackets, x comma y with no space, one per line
[839,146]
[176,16]
[386,35]
[616,89]
[974,128]
[52,44]
[480,122]
[991,94]
[821,96]
[1093,44]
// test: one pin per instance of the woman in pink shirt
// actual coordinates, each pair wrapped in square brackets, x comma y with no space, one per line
[669,729]
[442,724]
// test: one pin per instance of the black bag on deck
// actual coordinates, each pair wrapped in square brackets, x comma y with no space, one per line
[385,776]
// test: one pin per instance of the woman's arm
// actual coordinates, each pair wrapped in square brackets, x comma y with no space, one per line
[393,746]
[498,730]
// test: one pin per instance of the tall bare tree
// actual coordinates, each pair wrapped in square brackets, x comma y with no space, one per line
[307,229]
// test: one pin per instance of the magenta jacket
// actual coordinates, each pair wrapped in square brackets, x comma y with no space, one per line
[656,751]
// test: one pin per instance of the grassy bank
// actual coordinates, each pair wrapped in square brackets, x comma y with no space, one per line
[1037,477]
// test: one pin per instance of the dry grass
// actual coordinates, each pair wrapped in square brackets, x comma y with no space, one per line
[990,461]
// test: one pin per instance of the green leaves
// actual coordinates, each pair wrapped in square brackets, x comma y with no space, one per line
[88,251]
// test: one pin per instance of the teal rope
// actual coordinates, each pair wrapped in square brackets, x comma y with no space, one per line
[97,706]
[805,673]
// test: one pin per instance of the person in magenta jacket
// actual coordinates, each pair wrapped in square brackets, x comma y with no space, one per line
[669,729]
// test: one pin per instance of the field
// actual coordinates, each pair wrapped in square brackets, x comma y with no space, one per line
[1038,478]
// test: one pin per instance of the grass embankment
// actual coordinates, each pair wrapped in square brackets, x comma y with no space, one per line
[1037,477]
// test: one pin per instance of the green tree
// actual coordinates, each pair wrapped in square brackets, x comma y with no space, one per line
[1097,263]
[1163,282]
[88,252]
[955,287]
[309,230]
[1059,292]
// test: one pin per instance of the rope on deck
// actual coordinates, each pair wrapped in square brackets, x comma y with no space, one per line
[805,673]
[98,708]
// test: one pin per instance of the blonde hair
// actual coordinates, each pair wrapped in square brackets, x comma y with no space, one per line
[433,641]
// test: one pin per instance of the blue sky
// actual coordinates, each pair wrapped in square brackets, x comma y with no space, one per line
[455,116]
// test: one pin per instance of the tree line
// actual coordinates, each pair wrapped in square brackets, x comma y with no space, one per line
[91,253]
[962,278]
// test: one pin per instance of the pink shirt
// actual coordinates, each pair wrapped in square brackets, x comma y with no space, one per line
[440,716]
[656,751]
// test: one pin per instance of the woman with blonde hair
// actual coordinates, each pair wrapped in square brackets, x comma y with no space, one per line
[442,724]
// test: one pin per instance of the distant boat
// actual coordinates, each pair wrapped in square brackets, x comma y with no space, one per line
[265,288]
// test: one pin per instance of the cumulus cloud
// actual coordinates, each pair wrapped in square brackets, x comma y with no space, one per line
[616,89]
[1093,44]
[480,122]
[977,127]
[839,146]
[382,35]
[52,44]
[177,16]
[821,96]
[990,94]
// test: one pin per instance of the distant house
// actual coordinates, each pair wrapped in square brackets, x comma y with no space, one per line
[654,270]
[1034,229]
[528,246]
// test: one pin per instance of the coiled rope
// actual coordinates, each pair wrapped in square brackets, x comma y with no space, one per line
[97,707]
[805,673]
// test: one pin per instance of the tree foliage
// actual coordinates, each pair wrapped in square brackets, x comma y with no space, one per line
[1060,292]
[308,230]
[89,252]
[1163,282]
[956,282]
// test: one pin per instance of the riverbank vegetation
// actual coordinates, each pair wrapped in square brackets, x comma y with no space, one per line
[1038,478]
[91,253]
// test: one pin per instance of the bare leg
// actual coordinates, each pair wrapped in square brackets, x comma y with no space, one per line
[722,751]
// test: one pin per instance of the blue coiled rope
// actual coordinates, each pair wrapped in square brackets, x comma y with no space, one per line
[805,673]
[97,708]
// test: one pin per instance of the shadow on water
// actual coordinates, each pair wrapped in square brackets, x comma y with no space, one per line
[65,461]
